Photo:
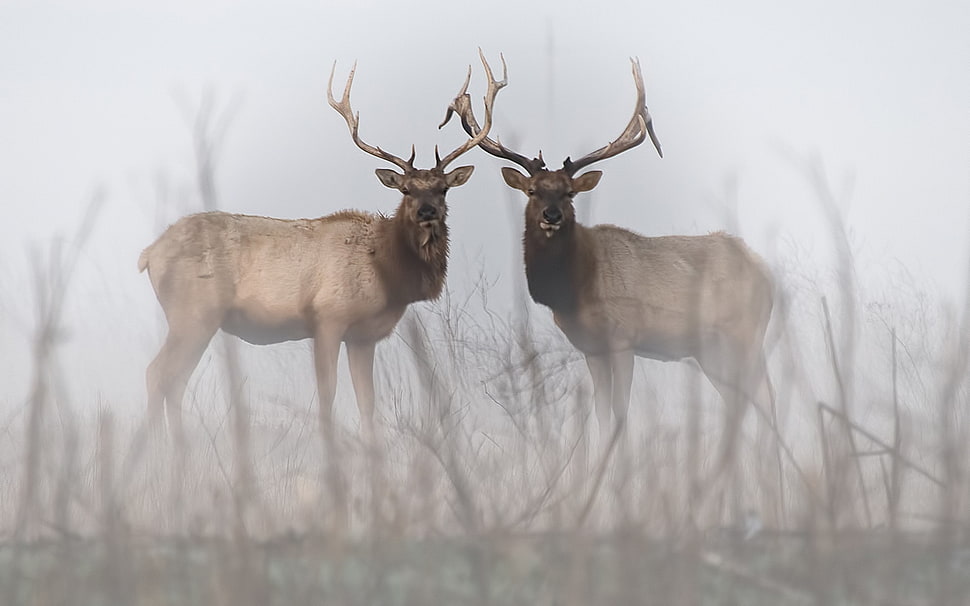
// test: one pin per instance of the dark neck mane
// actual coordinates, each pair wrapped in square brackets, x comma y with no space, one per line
[557,268]
[410,271]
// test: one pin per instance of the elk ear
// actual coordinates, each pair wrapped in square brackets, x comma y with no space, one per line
[587,181]
[515,179]
[390,178]
[459,176]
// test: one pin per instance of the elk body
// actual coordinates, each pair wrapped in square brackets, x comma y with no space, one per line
[345,277]
[616,294]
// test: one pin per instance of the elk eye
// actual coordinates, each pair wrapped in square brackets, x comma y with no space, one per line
[405,191]
[531,192]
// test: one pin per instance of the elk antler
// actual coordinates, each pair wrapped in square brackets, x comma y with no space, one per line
[640,125]
[344,109]
[462,106]
[493,87]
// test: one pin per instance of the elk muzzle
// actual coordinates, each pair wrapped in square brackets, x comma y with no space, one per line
[428,222]
[426,213]
[551,220]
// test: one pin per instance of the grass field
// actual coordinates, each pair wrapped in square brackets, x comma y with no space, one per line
[494,490]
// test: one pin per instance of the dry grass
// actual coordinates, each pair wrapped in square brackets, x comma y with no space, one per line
[488,487]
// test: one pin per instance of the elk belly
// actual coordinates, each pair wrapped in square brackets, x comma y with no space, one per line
[375,327]
[260,326]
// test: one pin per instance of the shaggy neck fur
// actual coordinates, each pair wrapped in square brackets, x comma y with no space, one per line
[412,271]
[557,268]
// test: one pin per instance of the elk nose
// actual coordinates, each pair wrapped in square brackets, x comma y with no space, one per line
[552,215]
[427,213]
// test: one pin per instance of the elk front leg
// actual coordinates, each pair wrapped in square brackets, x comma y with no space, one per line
[361,359]
[326,348]
[602,373]
[622,364]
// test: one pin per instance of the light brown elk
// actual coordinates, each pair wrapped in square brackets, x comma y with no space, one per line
[345,277]
[616,294]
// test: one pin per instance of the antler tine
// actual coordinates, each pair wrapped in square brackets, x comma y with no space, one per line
[462,94]
[353,122]
[636,131]
[642,102]
[462,106]
[494,86]
[468,78]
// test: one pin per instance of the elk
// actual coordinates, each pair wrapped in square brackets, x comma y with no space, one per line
[345,277]
[616,294]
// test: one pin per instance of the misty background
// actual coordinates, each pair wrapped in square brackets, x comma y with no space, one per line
[747,99]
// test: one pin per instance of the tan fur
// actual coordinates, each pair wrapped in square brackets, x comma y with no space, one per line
[270,279]
[665,297]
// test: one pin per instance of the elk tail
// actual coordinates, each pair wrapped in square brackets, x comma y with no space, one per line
[143,260]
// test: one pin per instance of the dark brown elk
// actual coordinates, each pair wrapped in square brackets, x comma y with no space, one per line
[345,277]
[616,294]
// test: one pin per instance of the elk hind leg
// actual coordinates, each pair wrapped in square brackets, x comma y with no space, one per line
[740,378]
[168,374]
[326,349]
[747,383]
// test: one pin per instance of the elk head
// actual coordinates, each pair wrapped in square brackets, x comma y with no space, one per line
[550,208]
[423,209]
